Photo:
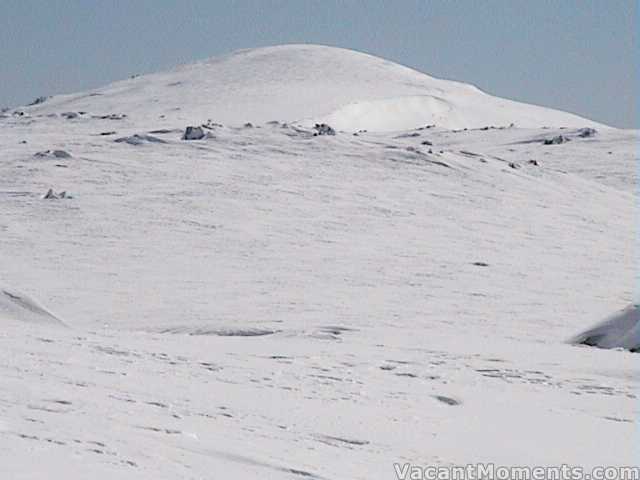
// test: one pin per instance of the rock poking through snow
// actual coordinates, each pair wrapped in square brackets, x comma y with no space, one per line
[51,195]
[323,129]
[193,133]
[53,154]
[38,101]
[138,139]
[587,132]
[69,115]
[111,116]
[557,140]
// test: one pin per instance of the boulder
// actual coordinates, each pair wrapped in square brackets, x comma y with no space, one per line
[587,132]
[52,154]
[193,133]
[557,140]
[323,129]
[51,195]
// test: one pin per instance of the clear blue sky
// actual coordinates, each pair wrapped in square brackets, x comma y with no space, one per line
[581,56]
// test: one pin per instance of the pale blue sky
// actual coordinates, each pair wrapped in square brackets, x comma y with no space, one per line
[581,56]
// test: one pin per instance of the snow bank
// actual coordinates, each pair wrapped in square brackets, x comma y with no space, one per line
[15,306]
[621,330]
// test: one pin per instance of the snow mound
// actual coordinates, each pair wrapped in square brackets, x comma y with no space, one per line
[15,306]
[402,113]
[621,330]
[306,84]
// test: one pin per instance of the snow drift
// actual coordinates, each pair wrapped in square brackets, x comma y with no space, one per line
[16,306]
[307,84]
[621,330]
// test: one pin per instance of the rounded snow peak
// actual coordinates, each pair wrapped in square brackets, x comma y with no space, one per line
[307,84]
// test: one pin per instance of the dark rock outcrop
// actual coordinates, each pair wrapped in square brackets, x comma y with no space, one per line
[193,133]
[323,129]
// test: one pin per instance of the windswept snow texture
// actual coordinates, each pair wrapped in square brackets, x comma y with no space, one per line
[271,302]
[622,330]
[16,306]
[349,90]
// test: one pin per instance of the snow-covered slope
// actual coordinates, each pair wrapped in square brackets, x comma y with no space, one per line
[621,330]
[270,303]
[16,306]
[307,83]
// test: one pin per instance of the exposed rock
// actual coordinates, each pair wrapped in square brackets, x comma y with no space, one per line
[323,129]
[193,133]
[51,195]
[38,101]
[452,402]
[61,154]
[53,154]
[480,264]
[587,132]
[139,139]
[69,115]
[557,140]
[111,116]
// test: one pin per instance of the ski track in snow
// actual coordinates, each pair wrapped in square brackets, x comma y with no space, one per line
[268,304]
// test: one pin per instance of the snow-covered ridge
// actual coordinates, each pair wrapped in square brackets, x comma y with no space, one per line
[307,84]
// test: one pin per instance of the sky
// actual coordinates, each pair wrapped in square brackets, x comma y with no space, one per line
[579,56]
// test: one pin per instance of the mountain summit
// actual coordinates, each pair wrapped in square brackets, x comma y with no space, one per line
[307,84]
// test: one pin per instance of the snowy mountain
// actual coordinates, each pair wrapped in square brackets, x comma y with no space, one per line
[273,300]
[308,83]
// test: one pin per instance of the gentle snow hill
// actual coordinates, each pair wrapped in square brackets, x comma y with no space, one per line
[305,84]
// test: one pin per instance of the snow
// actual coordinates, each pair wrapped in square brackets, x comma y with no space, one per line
[16,306]
[307,84]
[269,303]
[622,330]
